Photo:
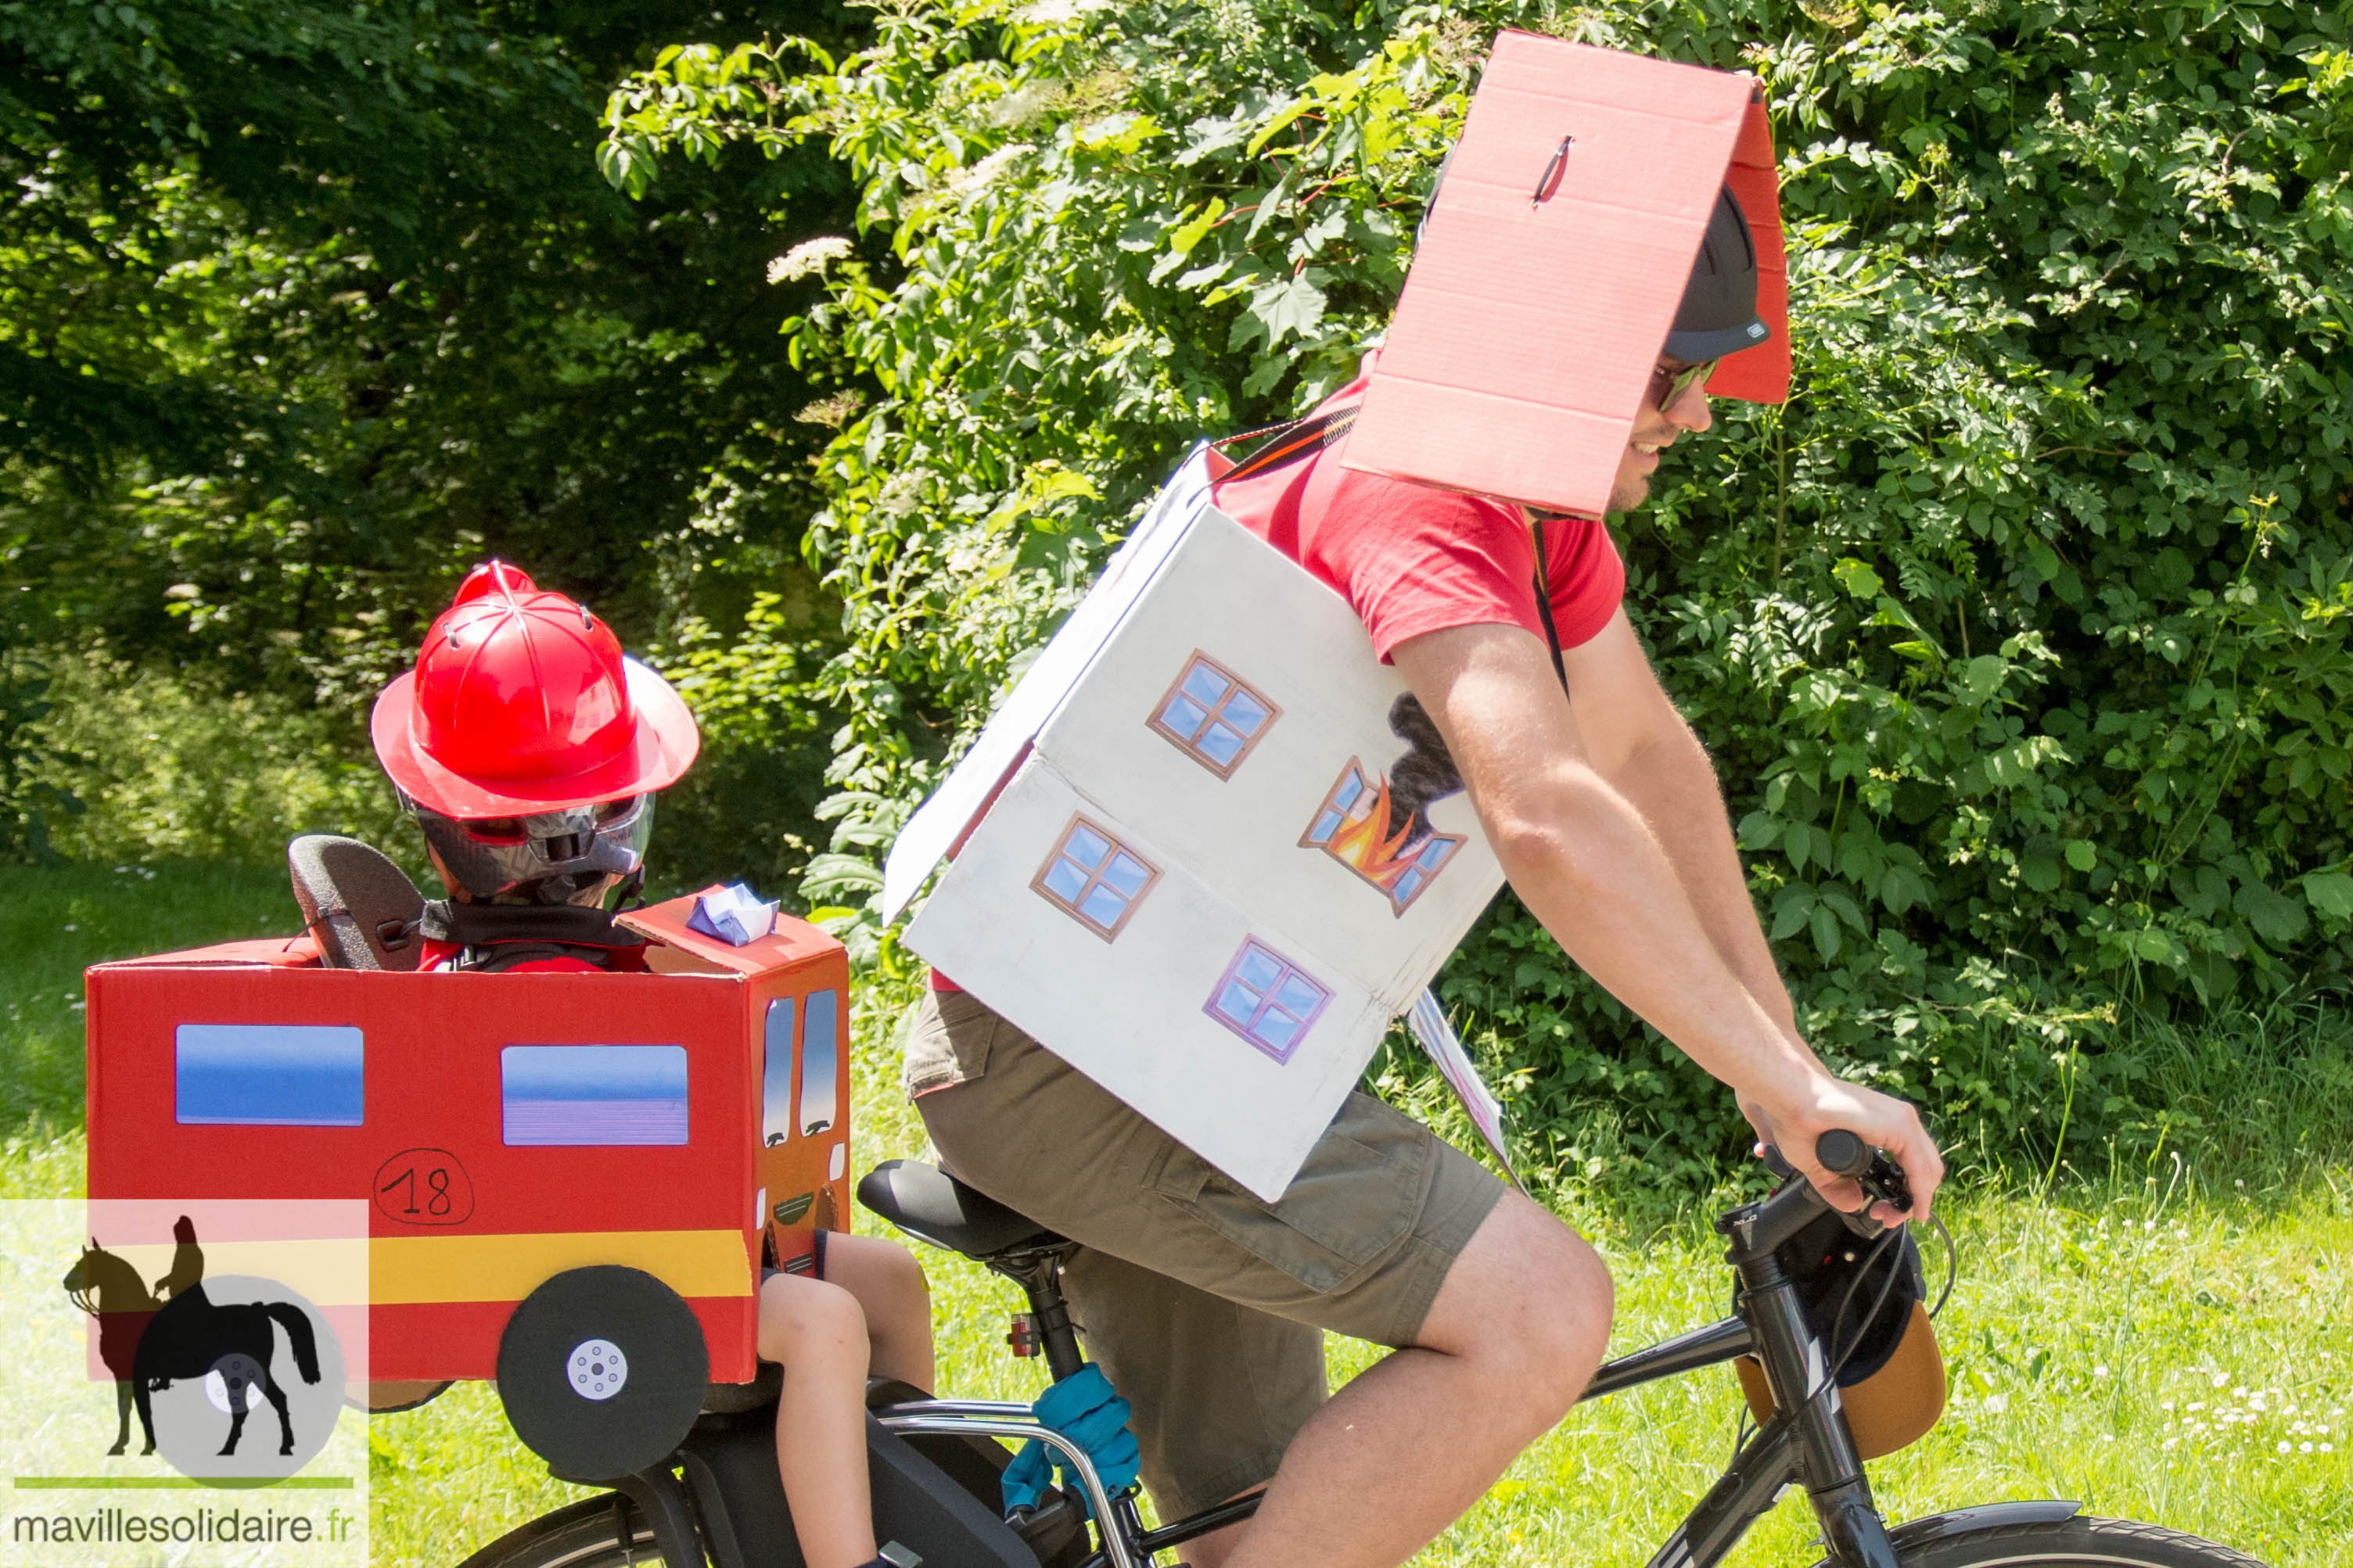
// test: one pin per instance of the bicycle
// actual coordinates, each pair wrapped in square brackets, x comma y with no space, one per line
[935,1463]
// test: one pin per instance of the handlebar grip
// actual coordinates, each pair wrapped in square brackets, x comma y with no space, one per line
[1843,1153]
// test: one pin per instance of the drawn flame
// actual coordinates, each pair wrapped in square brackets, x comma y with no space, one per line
[1366,845]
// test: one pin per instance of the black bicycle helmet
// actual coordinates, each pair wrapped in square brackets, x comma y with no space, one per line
[1718,314]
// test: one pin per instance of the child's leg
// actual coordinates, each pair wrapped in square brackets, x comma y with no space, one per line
[816,1331]
[890,1288]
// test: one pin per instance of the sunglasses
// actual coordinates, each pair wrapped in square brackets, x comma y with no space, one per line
[1668,386]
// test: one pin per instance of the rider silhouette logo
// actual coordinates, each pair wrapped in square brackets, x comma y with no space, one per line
[237,1379]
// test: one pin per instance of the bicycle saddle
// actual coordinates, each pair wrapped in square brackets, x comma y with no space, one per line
[927,1202]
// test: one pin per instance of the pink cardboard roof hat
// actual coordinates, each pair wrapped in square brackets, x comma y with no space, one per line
[1548,278]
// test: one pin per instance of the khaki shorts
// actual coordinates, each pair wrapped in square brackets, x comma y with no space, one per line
[1204,1304]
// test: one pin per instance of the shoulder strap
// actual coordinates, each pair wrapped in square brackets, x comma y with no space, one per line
[1288,443]
[1544,603]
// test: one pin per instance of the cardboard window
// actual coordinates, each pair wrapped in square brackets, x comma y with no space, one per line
[580,1096]
[1094,877]
[1213,716]
[1267,1000]
[268,1075]
[820,1060]
[776,1074]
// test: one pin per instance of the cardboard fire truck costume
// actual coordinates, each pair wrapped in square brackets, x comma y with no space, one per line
[1209,846]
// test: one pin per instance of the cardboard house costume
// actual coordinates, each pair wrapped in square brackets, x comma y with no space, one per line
[1211,846]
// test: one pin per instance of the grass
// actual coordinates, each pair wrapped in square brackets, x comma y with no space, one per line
[2171,1340]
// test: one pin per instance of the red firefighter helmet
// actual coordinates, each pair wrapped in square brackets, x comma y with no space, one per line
[522,703]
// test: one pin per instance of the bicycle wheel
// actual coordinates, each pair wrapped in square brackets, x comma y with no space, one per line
[587,1534]
[2080,1540]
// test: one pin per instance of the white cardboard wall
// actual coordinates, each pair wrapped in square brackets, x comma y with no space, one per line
[1127,998]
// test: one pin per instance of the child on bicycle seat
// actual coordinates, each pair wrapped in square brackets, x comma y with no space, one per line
[528,747]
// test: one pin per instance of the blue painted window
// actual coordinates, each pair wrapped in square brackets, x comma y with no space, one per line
[821,1061]
[777,1073]
[1334,814]
[589,1096]
[1267,1000]
[1213,715]
[268,1075]
[1096,876]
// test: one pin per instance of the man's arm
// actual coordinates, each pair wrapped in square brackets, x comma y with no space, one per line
[1637,739]
[1587,864]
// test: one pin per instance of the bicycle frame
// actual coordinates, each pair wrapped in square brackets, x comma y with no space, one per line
[1806,1441]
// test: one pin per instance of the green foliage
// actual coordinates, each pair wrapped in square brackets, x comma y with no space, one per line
[306,307]
[2018,635]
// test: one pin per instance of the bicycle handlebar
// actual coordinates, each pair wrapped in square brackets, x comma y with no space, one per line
[1843,1153]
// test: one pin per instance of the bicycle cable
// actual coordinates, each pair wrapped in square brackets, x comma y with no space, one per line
[1845,1352]
[1952,1264]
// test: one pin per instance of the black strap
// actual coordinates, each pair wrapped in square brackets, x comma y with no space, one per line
[1543,603]
[497,937]
[1288,443]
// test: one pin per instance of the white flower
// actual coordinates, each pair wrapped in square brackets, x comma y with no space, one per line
[978,176]
[808,258]
[2284,1447]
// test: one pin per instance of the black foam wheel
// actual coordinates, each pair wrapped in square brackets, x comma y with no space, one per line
[602,1372]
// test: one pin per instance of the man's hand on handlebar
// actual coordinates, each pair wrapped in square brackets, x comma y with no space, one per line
[1819,1104]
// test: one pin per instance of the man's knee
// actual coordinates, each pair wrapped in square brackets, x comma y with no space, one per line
[1528,1302]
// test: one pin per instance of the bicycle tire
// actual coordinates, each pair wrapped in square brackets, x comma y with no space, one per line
[2080,1543]
[585,1534]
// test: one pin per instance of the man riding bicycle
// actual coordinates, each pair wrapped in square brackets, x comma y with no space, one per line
[1206,1304]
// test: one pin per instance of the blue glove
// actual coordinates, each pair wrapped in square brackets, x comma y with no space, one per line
[1084,1408]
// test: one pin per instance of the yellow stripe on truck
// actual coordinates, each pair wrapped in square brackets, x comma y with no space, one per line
[406,1271]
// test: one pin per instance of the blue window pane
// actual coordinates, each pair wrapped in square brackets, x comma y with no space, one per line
[1206,685]
[777,1073]
[1127,874]
[1087,846]
[1406,885]
[268,1075]
[1104,907]
[1245,713]
[1065,881]
[821,1061]
[1182,716]
[1326,825]
[1435,853]
[1259,969]
[579,1096]
[1219,744]
[1352,784]
[1237,1004]
[1298,994]
[1275,1029]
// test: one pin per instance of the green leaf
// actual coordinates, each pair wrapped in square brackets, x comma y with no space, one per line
[1859,580]
[1827,940]
[1792,906]
[2082,854]
[1285,308]
[2276,917]
[1186,235]
[1982,676]
[2330,894]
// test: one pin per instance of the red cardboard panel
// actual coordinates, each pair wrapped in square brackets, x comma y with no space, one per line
[1761,374]
[478,1191]
[1551,268]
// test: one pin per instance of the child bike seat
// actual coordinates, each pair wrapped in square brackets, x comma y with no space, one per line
[362,909]
[932,1205]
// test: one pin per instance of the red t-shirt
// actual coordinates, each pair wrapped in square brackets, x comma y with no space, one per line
[1412,560]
